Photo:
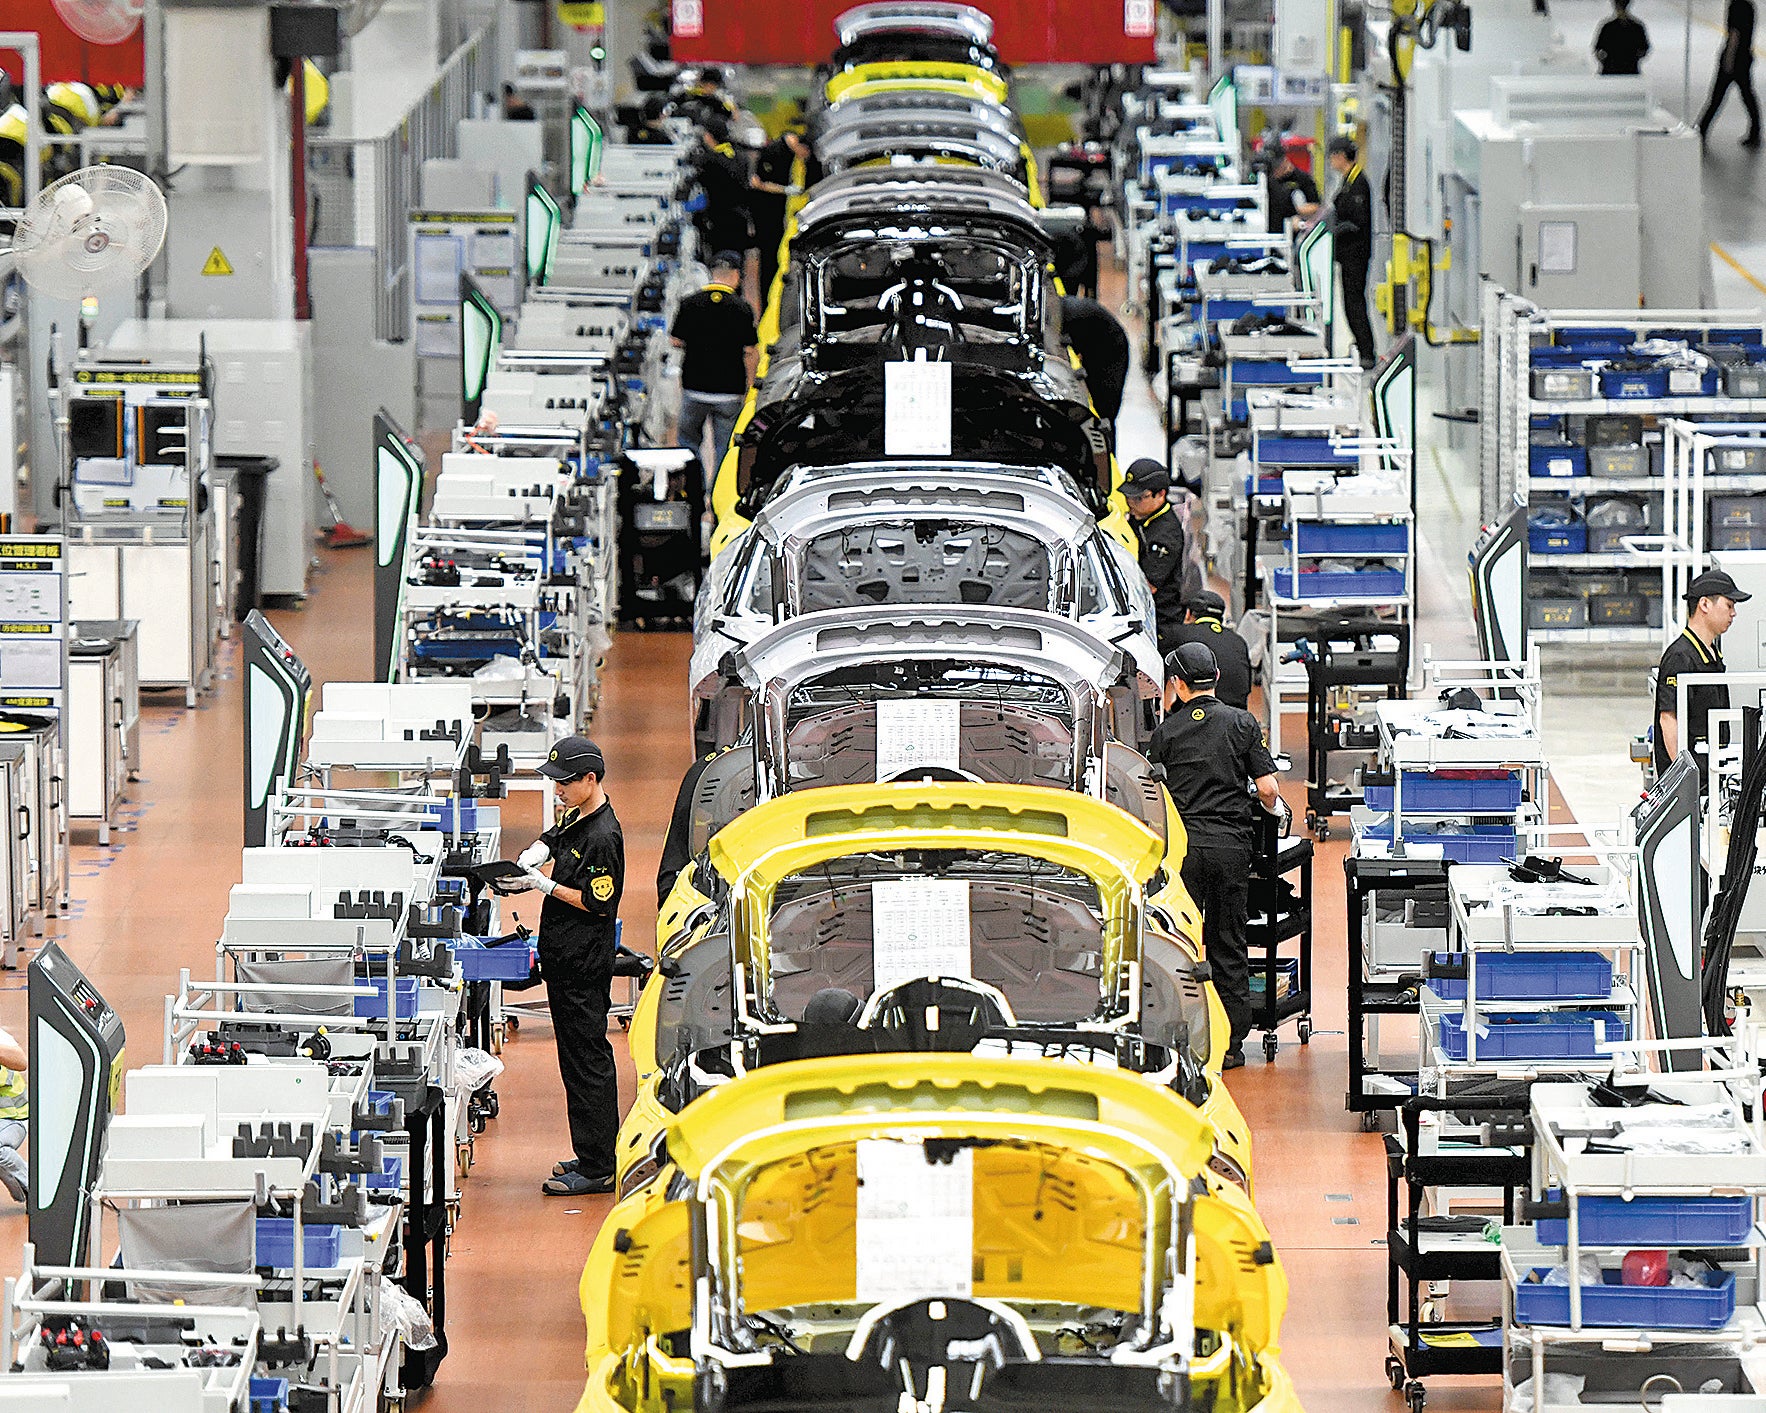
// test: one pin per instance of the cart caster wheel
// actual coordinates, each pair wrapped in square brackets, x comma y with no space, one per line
[475,1122]
[1305,1032]
[1322,830]
[1395,1373]
[514,1025]
[1415,1395]
[1269,1049]
[1430,1313]
[1370,1121]
[625,1022]
[492,1105]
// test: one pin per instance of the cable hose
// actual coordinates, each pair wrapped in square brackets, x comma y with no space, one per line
[1738,873]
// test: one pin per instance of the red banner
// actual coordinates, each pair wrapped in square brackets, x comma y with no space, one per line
[1025,31]
[67,57]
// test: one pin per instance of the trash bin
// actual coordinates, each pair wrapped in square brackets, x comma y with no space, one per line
[247,475]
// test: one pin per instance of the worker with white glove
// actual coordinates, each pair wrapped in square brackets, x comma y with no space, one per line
[578,934]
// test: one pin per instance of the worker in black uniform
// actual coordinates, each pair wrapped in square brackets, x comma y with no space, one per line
[1735,65]
[723,181]
[1621,43]
[1205,622]
[1076,254]
[1098,338]
[786,167]
[1292,192]
[1165,549]
[1352,225]
[1213,755]
[1710,609]
[720,349]
[578,936]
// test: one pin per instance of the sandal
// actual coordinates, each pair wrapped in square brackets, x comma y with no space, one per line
[576,1184]
[566,1165]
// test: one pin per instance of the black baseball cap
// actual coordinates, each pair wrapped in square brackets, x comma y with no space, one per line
[1207,602]
[727,260]
[1344,146]
[572,758]
[1145,477]
[1715,584]
[1193,664]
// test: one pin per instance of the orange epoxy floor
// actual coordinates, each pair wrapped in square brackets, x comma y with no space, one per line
[154,900]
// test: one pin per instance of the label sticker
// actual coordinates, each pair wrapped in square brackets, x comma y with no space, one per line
[919,928]
[917,735]
[916,1223]
[916,409]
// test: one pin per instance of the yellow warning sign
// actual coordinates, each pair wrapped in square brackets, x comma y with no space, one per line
[216,264]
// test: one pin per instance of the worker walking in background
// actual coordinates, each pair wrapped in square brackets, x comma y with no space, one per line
[1213,756]
[15,1109]
[786,167]
[1101,343]
[1710,602]
[1735,65]
[720,351]
[579,932]
[1205,622]
[1621,43]
[1292,192]
[723,181]
[1352,224]
[1165,550]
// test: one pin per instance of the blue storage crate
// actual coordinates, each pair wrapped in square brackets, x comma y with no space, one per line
[452,814]
[374,1007]
[1238,411]
[267,1395]
[1747,333]
[510,962]
[1652,1223]
[1223,310]
[1557,459]
[1644,1307]
[1271,372]
[1594,333]
[1640,383]
[1429,794]
[1302,451]
[390,1178]
[1693,382]
[1557,538]
[323,1243]
[1528,976]
[1483,843]
[1286,969]
[1363,584]
[1315,538]
[1531,1035]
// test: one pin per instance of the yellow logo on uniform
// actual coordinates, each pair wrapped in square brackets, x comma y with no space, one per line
[601,888]
[1197,714]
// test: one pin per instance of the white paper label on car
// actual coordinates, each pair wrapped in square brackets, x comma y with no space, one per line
[919,927]
[917,735]
[916,1223]
[916,409]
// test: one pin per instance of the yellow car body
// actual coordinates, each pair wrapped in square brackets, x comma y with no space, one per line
[978,81]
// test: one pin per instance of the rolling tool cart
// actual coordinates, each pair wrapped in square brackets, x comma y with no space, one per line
[1377,989]
[1345,661]
[1477,1141]
[1279,915]
[660,495]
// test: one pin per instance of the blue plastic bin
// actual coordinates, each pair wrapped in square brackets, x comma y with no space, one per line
[1559,460]
[448,811]
[1314,538]
[1654,1222]
[1365,584]
[276,1244]
[1485,843]
[1528,976]
[390,1178]
[1554,537]
[1646,382]
[1594,333]
[374,1007]
[1426,794]
[1564,1035]
[1643,1307]
[1271,372]
[510,962]
[267,1395]
[1302,451]
[1693,382]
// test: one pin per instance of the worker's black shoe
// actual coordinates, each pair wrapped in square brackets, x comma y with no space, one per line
[1235,1059]
[566,1165]
[577,1184]
[1751,140]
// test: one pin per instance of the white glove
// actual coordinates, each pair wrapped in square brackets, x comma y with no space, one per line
[534,855]
[541,882]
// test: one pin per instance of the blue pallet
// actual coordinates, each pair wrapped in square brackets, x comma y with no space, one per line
[1367,584]
[1653,1223]
[267,1395]
[1558,539]
[374,1007]
[1436,793]
[1644,1307]
[511,962]
[1557,459]
[1531,1035]
[1484,843]
[1311,537]
[1302,451]
[1270,372]
[320,1251]
[1527,976]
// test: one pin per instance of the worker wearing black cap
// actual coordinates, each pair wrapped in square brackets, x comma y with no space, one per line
[578,934]
[1710,609]
[1165,548]
[1212,755]
[1205,622]
[720,349]
[1352,228]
